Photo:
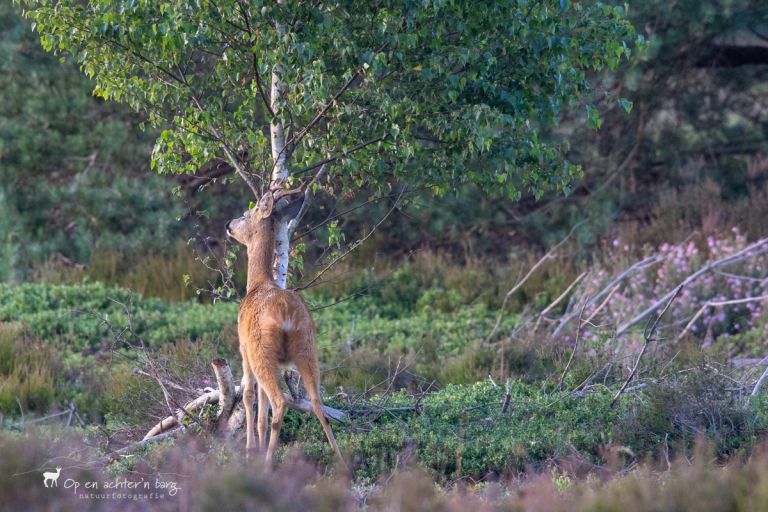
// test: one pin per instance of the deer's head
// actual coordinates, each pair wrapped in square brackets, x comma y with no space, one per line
[257,224]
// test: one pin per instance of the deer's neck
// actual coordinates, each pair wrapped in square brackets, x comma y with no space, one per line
[261,255]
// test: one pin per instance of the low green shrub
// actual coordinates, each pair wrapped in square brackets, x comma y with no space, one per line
[29,373]
[461,431]
[76,314]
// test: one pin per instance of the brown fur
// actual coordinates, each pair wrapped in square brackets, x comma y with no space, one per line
[275,329]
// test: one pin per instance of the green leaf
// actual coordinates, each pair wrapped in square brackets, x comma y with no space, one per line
[626,105]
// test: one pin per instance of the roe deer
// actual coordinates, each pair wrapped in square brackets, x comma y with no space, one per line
[52,476]
[274,325]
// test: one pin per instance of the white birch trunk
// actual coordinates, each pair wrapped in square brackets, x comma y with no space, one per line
[279,174]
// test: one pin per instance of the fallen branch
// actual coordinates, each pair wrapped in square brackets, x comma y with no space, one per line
[761,245]
[140,444]
[607,289]
[602,304]
[213,397]
[548,256]
[716,304]
[759,382]
[226,390]
[170,384]
[557,301]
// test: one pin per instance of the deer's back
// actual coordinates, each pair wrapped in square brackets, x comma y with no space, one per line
[268,310]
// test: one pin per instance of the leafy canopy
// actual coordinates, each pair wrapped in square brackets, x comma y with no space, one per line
[434,92]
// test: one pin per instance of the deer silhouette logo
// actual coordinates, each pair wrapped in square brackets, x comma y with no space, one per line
[52,476]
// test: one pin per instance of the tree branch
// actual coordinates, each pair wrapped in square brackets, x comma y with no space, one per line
[355,245]
[335,157]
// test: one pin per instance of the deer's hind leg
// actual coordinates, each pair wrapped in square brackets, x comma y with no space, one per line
[262,422]
[264,364]
[309,369]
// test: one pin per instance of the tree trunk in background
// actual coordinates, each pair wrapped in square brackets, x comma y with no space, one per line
[279,174]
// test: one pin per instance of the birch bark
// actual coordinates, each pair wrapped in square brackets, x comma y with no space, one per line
[280,175]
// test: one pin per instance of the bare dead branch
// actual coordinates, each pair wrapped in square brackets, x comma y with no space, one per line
[507,398]
[213,397]
[167,382]
[760,247]
[602,304]
[140,444]
[648,337]
[599,295]
[575,345]
[525,278]
[560,298]
[716,304]
[759,382]
[226,390]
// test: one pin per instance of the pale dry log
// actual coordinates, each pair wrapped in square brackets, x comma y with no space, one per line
[236,419]
[213,397]
[140,444]
[210,397]
[759,383]
[226,390]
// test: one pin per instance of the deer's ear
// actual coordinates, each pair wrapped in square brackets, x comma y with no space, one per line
[289,206]
[265,205]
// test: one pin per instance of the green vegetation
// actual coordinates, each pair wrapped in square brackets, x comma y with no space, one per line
[80,316]
[426,363]
[486,115]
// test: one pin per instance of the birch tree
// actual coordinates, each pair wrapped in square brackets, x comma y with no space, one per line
[335,96]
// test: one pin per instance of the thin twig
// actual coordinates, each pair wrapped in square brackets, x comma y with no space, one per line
[525,278]
[648,337]
[575,344]
[602,304]
[354,245]
[717,304]
[507,397]
[563,295]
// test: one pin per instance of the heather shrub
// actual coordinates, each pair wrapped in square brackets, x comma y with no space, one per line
[740,280]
